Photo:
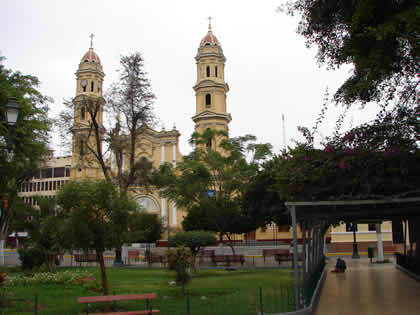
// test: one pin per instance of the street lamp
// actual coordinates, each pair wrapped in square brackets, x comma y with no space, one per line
[355,249]
[12,113]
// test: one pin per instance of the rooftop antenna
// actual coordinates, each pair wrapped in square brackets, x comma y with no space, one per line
[91,40]
[284,132]
[209,18]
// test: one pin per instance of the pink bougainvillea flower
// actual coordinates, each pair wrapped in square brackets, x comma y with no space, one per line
[341,165]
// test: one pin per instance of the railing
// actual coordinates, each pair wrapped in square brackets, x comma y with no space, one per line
[410,263]
[311,282]
[217,301]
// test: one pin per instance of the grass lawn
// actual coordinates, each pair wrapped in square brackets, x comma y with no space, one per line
[213,291]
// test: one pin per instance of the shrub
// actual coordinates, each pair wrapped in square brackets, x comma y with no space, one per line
[180,260]
[194,240]
[31,258]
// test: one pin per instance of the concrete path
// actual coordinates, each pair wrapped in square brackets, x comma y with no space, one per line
[368,289]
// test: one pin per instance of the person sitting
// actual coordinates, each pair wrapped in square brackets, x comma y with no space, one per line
[340,266]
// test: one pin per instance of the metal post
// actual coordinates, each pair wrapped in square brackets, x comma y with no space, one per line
[36,305]
[261,302]
[309,247]
[303,259]
[295,256]
[355,249]
[405,237]
[188,303]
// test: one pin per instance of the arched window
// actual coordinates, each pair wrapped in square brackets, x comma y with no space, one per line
[148,204]
[208,100]
[82,113]
[208,145]
[91,86]
[81,148]
[208,71]
[215,71]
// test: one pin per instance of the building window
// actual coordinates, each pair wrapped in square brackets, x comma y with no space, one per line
[38,186]
[148,204]
[54,185]
[208,145]
[372,227]
[208,100]
[82,113]
[208,71]
[215,71]
[81,148]
[91,86]
[50,185]
[46,173]
[350,227]
[67,172]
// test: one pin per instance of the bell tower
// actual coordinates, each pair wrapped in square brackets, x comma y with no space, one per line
[88,103]
[211,88]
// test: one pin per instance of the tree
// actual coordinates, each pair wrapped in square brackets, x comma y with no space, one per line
[30,136]
[130,102]
[194,240]
[96,217]
[210,183]
[43,226]
[379,37]
[144,227]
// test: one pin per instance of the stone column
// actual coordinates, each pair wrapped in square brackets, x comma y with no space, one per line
[380,244]
[174,154]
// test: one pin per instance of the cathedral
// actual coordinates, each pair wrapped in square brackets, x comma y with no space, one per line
[155,146]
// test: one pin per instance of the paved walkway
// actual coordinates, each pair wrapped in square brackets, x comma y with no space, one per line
[369,289]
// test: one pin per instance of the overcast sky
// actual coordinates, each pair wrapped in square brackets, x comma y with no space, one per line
[269,70]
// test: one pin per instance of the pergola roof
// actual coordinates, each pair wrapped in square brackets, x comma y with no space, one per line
[357,210]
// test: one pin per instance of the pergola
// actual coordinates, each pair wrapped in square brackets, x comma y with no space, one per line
[316,216]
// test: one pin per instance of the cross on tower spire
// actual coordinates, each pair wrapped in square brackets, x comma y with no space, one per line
[209,18]
[91,40]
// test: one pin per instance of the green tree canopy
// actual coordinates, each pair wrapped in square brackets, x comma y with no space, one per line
[96,217]
[379,37]
[210,183]
[30,135]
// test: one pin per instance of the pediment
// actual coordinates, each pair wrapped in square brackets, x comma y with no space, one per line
[210,114]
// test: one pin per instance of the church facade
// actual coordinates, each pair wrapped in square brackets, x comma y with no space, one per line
[156,146]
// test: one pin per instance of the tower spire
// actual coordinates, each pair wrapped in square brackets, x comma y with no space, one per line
[91,40]
[209,18]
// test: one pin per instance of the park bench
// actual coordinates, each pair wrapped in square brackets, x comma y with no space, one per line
[153,258]
[274,251]
[227,259]
[282,255]
[79,258]
[148,297]
[133,254]
[206,255]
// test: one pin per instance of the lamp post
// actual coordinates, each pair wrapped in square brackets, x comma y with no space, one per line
[12,111]
[355,249]
[12,114]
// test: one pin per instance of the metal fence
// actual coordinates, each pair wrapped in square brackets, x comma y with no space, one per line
[220,301]
[410,263]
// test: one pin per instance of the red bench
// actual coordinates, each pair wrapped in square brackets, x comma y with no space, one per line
[282,255]
[227,259]
[156,259]
[134,254]
[79,258]
[124,297]
[205,255]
